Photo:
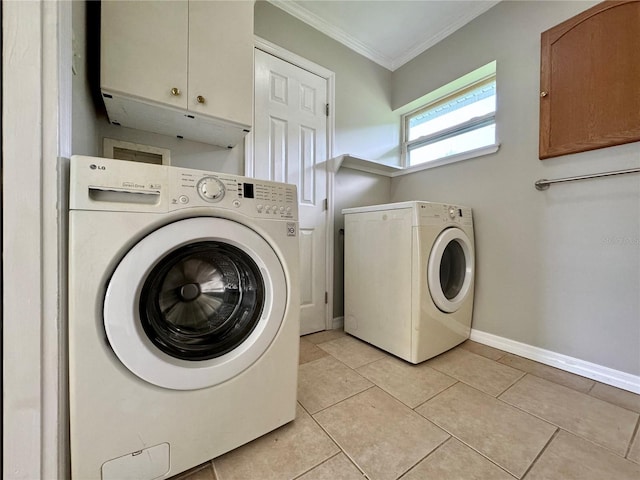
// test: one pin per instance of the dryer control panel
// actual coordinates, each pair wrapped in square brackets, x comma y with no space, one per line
[429,213]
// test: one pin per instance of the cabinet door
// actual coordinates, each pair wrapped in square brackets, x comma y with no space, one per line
[144,50]
[590,80]
[221,59]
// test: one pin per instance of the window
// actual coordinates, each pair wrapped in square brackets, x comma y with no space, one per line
[455,126]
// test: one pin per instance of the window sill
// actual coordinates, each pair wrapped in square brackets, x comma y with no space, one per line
[355,163]
[478,152]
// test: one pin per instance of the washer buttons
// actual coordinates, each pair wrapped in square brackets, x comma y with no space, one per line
[259,208]
[183,199]
[236,203]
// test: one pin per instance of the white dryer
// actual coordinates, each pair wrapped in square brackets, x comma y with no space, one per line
[183,315]
[409,277]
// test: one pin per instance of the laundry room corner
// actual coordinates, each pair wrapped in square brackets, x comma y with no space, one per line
[553,265]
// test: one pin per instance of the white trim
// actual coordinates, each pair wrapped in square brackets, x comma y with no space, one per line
[290,57]
[473,11]
[36,65]
[335,33]
[468,155]
[337,323]
[590,370]
[330,77]
[298,11]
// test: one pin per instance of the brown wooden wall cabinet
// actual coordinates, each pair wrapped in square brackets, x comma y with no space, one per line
[590,80]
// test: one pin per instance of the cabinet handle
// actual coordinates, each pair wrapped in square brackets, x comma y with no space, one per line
[200,99]
[175,91]
[544,94]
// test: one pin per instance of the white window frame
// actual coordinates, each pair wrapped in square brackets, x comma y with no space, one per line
[472,80]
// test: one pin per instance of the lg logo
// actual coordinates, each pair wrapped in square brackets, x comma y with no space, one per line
[93,166]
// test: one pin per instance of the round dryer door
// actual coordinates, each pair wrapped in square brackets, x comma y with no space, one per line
[195,303]
[450,270]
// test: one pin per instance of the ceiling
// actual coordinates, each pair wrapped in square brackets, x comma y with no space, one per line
[388,32]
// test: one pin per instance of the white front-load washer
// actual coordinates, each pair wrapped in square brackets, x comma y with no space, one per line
[409,277]
[183,315]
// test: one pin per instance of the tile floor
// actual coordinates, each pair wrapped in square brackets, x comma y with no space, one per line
[471,413]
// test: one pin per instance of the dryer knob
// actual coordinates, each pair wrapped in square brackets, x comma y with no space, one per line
[211,189]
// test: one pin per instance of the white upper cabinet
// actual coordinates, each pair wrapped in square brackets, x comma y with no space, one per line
[180,68]
[221,59]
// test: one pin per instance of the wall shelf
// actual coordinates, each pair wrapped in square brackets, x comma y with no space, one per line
[355,163]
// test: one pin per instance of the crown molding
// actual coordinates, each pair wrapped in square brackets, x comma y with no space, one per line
[333,32]
[294,9]
[456,24]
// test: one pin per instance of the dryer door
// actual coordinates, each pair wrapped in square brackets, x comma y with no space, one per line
[450,270]
[195,303]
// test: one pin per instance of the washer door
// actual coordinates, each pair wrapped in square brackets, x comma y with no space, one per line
[195,303]
[450,270]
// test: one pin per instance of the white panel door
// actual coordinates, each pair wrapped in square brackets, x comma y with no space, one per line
[290,145]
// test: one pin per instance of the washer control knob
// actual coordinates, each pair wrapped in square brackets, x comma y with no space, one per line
[211,189]
[452,212]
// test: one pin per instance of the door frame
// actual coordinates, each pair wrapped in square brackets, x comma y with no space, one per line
[36,141]
[329,76]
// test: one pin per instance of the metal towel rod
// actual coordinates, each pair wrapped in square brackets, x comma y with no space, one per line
[544,184]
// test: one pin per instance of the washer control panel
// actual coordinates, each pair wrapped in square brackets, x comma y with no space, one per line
[253,197]
[108,184]
[210,189]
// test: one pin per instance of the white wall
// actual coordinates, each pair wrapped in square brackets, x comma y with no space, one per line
[560,269]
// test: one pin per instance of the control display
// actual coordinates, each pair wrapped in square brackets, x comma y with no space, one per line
[248,190]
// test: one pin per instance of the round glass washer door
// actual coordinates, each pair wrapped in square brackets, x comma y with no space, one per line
[195,303]
[450,270]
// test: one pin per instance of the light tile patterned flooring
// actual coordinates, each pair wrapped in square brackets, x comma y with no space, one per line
[473,412]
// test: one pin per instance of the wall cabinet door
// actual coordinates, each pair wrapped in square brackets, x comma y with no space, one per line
[590,80]
[179,68]
[221,59]
[144,50]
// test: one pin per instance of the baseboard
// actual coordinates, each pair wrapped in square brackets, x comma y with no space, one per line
[338,322]
[607,375]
